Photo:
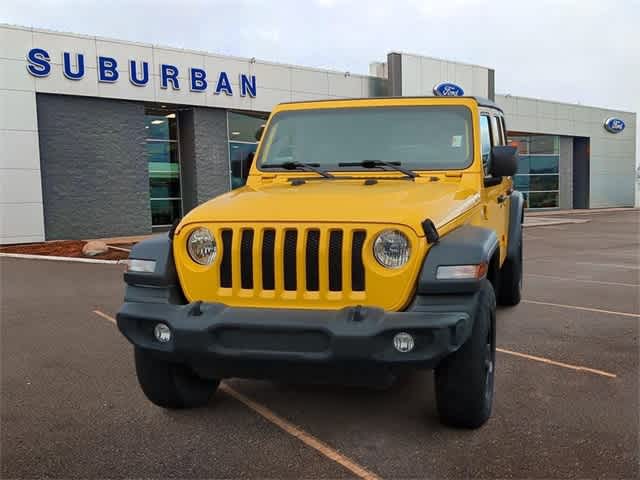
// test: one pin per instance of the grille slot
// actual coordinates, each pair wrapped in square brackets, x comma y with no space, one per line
[312,260]
[357,265]
[246,259]
[289,259]
[268,262]
[335,260]
[225,263]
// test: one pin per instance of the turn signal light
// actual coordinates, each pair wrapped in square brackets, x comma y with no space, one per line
[461,272]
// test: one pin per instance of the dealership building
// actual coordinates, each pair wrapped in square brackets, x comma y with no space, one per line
[103,138]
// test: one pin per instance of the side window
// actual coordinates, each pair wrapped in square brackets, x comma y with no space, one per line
[504,129]
[485,139]
[497,131]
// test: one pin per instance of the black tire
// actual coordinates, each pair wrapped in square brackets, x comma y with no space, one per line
[464,380]
[171,386]
[509,293]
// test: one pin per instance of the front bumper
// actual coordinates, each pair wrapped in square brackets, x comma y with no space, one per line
[219,341]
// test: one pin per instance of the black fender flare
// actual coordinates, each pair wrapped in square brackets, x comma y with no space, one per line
[466,245]
[164,281]
[516,219]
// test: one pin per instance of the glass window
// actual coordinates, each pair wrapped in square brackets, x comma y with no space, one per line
[243,128]
[241,156]
[522,182]
[485,138]
[497,131]
[521,143]
[422,138]
[544,145]
[543,182]
[538,168]
[543,199]
[524,163]
[165,212]
[160,125]
[544,164]
[163,159]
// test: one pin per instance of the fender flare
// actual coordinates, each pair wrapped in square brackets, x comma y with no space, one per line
[466,245]
[516,218]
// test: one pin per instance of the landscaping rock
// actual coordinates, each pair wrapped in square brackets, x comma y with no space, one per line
[94,247]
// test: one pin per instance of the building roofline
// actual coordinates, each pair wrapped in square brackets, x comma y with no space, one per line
[438,59]
[184,50]
[573,104]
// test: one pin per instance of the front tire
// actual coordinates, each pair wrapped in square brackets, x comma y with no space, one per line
[170,385]
[464,380]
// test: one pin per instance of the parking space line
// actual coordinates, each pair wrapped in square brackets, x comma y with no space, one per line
[301,435]
[558,364]
[287,426]
[105,316]
[587,309]
[580,280]
[610,265]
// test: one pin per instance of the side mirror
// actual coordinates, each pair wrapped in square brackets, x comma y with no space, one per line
[504,161]
[259,133]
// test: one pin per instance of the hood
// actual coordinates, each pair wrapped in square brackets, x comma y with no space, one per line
[341,201]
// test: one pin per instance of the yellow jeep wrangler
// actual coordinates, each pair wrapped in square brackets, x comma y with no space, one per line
[373,237]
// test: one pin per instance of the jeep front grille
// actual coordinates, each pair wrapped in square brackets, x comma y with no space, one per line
[295,258]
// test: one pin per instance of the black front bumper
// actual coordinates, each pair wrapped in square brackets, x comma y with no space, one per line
[219,341]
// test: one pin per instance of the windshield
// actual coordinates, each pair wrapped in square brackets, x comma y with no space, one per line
[419,138]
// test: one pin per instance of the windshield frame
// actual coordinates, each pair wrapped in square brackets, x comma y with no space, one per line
[260,154]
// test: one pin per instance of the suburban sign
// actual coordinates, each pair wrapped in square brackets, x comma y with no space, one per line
[614,125]
[108,70]
[447,89]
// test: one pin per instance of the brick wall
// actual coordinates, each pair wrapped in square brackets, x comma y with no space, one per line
[95,179]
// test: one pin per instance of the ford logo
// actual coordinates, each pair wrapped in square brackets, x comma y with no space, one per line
[614,125]
[446,89]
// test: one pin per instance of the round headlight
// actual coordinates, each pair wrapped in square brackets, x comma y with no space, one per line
[392,249]
[202,246]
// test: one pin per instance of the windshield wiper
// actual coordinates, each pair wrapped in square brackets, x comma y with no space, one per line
[308,167]
[380,163]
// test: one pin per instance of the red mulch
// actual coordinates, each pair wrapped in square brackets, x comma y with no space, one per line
[63,248]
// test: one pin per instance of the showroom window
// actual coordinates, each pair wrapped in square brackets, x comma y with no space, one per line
[537,176]
[243,127]
[165,192]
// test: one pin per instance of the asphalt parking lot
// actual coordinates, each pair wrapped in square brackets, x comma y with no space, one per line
[566,402]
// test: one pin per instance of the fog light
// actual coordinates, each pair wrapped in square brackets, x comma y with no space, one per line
[162,333]
[403,342]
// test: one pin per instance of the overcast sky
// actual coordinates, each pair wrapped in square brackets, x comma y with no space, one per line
[585,51]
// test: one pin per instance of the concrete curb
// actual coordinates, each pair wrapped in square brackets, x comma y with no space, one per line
[62,259]
[563,221]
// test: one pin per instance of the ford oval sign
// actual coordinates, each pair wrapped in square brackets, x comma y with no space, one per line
[446,89]
[614,125]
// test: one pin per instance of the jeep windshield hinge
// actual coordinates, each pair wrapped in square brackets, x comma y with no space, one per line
[430,231]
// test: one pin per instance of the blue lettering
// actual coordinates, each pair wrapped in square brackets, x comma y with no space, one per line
[198,79]
[67,67]
[107,69]
[169,73]
[247,85]
[223,84]
[39,65]
[133,73]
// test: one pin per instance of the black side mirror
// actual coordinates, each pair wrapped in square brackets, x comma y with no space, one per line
[504,161]
[259,133]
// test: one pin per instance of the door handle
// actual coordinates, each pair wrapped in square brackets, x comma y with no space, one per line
[501,198]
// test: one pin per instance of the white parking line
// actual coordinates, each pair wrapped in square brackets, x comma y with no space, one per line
[587,309]
[581,280]
[557,364]
[610,265]
[288,427]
